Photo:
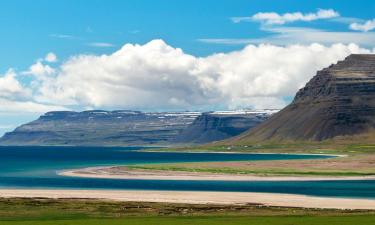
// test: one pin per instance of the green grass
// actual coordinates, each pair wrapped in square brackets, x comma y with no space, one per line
[296,147]
[353,151]
[18,211]
[259,172]
[210,220]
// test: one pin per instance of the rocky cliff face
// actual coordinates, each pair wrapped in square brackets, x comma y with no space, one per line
[338,101]
[128,128]
[216,126]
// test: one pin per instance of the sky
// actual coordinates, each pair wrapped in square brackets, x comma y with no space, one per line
[169,55]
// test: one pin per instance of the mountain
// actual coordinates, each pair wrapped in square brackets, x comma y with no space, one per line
[124,128]
[339,101]
[98,127]
[214,126]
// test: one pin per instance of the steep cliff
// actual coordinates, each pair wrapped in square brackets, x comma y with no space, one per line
[216,126]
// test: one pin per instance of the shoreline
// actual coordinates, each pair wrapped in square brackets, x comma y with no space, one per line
[196,197]
[116,172]
[239,152]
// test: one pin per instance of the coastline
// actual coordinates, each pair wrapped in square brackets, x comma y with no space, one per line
[115,172]
[196,197]
[245,152]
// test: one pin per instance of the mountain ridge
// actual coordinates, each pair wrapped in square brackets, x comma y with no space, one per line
[124,128]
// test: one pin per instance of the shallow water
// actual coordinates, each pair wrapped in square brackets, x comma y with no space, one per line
[36,167]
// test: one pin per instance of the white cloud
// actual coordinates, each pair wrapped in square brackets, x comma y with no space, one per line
[149,76]
[10,87]
[39,70]
[50,57]
[300,35]
[26,106]
[366,26]
[100,44]
[14,97]
[158,76]
[271,18]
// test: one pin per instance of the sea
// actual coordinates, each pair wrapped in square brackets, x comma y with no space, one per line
[37,168]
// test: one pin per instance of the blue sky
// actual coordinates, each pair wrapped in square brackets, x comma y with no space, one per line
[28,26]
[69,28]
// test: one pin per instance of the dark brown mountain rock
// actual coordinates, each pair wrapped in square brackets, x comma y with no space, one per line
[338,101]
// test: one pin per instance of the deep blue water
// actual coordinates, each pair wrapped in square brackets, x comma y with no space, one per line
[36,167]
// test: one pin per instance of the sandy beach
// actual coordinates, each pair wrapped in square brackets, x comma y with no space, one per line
[195,197]
[123,173]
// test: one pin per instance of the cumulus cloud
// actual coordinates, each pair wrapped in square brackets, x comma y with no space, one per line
[39,70]
[271,18]
[14,97]
[153,75]
[158,76]
[10,87]
[366,26]
[50,57]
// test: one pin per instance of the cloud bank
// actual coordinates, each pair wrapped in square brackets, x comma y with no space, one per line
[156,76]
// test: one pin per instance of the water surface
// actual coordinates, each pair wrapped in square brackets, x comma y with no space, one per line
[37,167]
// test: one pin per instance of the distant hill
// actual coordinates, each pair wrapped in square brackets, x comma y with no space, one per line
[129,128]
[339,102]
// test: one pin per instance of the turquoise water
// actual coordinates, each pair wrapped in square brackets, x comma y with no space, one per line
[37,167]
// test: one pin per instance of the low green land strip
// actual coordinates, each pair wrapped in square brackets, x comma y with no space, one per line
[303,147]
[17,211]
[209,220]
[258,172]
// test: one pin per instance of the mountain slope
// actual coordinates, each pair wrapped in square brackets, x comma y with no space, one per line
[338,101]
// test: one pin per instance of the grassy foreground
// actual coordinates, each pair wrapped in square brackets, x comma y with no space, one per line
[17,211]
[209,220]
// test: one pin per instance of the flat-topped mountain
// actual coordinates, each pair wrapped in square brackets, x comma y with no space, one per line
[214,126]
[337,101]
[98,127]
[126,128]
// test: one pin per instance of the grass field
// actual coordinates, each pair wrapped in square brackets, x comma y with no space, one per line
[327,147]
[209,220]
[18,211]
[353,165]
[360,160]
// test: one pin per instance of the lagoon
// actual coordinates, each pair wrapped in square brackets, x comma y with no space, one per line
[37,167]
